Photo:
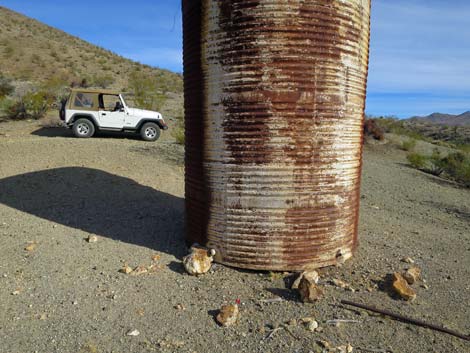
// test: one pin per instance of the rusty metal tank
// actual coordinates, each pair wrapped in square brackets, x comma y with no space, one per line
[274,105]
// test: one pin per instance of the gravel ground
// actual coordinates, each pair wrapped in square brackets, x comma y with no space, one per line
[66,295]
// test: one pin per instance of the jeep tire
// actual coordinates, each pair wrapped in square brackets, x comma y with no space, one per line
[150,132]
[83,128]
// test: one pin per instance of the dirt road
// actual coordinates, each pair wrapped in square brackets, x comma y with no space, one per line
[66,295]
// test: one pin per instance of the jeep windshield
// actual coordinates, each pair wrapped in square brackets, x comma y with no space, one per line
[129,100]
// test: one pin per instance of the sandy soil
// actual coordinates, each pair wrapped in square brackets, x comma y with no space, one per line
[66,295]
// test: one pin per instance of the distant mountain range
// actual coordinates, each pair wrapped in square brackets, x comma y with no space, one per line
[444,119]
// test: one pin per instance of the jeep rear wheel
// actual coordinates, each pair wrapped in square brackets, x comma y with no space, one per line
[83,128]
[150,132]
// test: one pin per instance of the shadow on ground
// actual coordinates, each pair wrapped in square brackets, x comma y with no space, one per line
[52,132]
[64,132]
[101,203]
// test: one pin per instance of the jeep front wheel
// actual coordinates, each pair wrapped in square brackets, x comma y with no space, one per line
[83,128]
[150,132]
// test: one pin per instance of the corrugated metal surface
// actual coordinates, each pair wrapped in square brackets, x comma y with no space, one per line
[274,100]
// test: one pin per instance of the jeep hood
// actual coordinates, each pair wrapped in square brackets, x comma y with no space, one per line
[142,113]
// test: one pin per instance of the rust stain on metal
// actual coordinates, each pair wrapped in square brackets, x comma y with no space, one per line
[274,104]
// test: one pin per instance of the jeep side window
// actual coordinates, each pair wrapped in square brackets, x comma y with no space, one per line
[110,102]
[83,100]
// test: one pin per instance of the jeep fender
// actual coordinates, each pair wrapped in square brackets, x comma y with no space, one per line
[160,124]
[90,117]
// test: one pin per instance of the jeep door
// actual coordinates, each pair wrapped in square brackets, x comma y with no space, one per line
[111,113]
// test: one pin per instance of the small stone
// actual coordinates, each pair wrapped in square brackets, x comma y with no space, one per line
[312,326]
[425,286]
[339,283]
[139,270]
[311,275]
[401,287]
[199,260]
[292,322]
[228,315]
[341,258]
[408,260]
[156,257]
[179,307]
[133,333]
[31,246]
[345,349]
[16,292]
[92,238]
[412,275]
[153,268]
[324,344]
[75,303]
[126,269]
[309,291]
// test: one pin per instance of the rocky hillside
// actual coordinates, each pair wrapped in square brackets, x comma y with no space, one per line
[444,119]
[31,51]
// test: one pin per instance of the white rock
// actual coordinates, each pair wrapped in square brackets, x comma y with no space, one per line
[133,333]
[312,276]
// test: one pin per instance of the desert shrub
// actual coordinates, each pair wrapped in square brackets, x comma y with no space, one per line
[372,129]
[35,58]
[178,133]
[391,124]
[145,92]
[33,105]
[8,50]
[54,54]
[103,81]
[463,147]
[408,145]
[417,160]
[6,88]
[5,106]
[455,166]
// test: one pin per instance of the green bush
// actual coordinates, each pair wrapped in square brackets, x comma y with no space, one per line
[435,163]
[178,134]
[33,105]
[5,106]
[103,81]
[8,51]
[6,88]
[145,91]
[417,160]
[455,166]
[408,145]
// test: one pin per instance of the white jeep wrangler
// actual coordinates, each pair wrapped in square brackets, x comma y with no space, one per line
[89,110]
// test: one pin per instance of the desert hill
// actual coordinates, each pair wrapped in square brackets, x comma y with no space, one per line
[31,51]
[444,119]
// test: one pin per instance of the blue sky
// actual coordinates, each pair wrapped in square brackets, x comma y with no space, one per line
[420,49]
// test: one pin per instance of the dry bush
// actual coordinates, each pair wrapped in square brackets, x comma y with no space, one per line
[455,166]
[408,145]
[417,160]
[6,88]
[178,133]
[372,129]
